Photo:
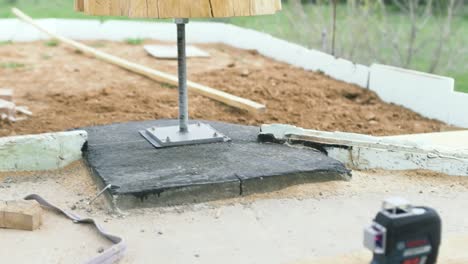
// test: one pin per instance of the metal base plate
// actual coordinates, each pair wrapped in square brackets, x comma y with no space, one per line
[170,136]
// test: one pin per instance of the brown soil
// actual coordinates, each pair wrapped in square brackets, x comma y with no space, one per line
[66,90]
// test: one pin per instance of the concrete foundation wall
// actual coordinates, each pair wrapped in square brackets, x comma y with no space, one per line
[430,95]
[41,152]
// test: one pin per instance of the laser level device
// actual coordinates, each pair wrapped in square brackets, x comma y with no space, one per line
[404,234]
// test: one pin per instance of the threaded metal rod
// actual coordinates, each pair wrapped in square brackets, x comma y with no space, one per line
[182,73]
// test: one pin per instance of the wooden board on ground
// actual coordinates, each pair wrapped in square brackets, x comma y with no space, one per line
[22,215]
[178,8]
[170,51]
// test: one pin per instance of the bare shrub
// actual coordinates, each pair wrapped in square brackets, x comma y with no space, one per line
[409,33]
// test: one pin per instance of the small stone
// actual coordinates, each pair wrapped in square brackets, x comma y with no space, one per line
[370,116]
[160,233]
[420,191]
[106,91]
[100,250]
[231,65]
[73,207]
[142,231]
[89,210]
[320,193]
[245,73]
[196,255]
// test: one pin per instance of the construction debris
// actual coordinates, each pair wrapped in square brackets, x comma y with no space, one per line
[6,94]
[24,110]
[8,108]
[22,215]
[170,51]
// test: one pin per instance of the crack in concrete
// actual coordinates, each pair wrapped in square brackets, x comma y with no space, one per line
[241,185]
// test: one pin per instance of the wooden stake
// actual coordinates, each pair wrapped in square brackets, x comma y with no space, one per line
[156,75]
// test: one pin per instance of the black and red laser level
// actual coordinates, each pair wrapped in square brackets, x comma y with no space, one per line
[404,234]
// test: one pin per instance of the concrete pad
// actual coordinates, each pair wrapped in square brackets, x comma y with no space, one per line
[295,225]
[170,51]
[144,176]
[41,152]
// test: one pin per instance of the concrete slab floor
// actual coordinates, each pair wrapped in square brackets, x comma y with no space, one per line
[290,226]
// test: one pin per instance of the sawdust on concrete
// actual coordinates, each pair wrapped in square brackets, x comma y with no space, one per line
[66,89]
[321,220]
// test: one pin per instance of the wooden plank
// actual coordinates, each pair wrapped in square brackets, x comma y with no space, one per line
[138,8]
[153,9]
[179,8]
[124,7]
[101,7]
[114,8]
[22,215]
[260,7]
[156,75]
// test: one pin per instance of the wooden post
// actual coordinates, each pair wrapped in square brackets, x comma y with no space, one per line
[178,8]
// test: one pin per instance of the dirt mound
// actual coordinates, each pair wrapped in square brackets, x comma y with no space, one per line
[65,95]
